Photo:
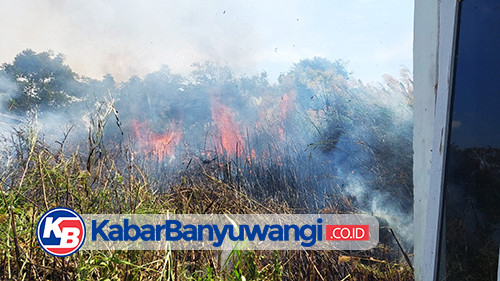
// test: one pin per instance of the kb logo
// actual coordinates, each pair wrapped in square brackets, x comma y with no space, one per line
[60,232]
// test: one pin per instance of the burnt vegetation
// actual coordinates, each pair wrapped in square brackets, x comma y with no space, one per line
[317,140]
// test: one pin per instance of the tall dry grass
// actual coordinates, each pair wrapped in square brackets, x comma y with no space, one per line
[36,177]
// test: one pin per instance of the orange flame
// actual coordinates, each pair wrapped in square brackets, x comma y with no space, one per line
[251,158]
[286,105]
[229,138]
[158,145]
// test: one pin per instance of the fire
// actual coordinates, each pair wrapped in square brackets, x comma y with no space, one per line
[252,157]
[282,133]
[229,139]
[286,105]
[159,145]
[278,160]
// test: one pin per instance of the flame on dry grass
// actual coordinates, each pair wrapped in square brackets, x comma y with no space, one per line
[229,139]
[155,144]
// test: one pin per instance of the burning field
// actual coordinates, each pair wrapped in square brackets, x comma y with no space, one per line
[317,140]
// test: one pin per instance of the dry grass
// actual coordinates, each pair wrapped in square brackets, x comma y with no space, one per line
[36,178]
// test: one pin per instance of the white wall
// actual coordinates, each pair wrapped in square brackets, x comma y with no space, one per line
[433,55]
[425,71]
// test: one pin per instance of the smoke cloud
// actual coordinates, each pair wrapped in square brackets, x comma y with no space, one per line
[126,38]
[316,134]
[227,82]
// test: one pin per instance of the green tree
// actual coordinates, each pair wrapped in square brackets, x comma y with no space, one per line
[43,81]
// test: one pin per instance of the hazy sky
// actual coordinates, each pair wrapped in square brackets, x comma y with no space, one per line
[127,38]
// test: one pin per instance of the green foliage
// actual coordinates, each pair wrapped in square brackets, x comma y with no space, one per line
[43,81]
